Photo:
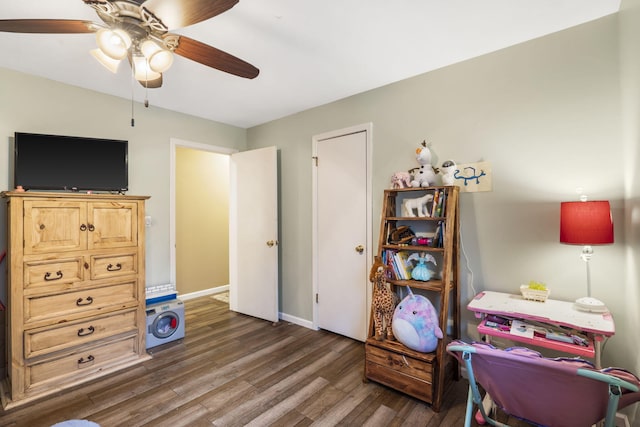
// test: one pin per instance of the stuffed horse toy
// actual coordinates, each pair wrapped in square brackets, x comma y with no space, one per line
[424,176]
[383,301]
[419,204]
[401,180]
[415,323]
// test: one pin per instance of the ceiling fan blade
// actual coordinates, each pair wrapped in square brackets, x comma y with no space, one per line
[214,58]
[50,26]
[181,13]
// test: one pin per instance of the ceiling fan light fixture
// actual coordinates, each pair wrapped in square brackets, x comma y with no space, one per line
[113,43]
[159,58]
[141,70]
[108,62]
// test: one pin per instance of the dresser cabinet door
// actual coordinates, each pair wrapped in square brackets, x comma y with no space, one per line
[54,226]
[112,224]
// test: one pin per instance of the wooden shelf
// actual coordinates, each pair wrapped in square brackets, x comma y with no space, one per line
[416,218]
[415,248]
[399,347]
[424,376]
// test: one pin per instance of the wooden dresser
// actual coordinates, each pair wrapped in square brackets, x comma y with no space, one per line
[76,290]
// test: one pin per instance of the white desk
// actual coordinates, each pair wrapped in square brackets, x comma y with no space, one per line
[597,326]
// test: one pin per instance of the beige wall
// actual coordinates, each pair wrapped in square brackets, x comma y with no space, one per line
[202,220]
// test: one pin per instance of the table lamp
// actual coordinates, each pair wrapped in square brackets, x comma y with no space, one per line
[586,223]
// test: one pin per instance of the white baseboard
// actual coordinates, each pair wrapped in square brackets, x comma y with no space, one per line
[297,321]
[210,291]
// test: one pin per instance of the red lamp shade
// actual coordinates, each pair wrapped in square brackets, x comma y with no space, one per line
[586,223]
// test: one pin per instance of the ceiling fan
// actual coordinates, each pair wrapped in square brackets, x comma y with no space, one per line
[139,30]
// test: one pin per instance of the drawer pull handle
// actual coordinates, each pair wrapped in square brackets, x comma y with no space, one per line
[58,276]
[89,359]
[117,267]
[41,226]
[405,361]
[83,227]
[91,227]
[83,333]
[79,302]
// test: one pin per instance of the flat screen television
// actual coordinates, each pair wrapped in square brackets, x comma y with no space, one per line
[69,163]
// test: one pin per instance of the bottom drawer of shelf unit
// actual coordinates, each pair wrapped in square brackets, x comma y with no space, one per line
[400,372]
[81,365]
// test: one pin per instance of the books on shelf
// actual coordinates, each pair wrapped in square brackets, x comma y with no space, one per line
[398,265]
[438,238]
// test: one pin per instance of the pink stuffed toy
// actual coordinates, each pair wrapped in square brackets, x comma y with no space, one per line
[401,180]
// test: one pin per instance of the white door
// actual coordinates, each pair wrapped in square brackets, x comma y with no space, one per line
[342,247]
[253,233]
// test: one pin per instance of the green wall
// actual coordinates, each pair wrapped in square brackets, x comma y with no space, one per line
[32,104]
[546,114]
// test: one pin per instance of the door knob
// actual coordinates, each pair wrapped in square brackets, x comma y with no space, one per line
[272,243]
[360,249]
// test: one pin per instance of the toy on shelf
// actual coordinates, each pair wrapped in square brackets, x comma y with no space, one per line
[447,171]
[401,235]
[401,180]
[419,204]
[383,302]
[425,175]
[415,323]
[420,271]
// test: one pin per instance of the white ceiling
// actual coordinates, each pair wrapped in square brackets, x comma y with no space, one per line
[309,52]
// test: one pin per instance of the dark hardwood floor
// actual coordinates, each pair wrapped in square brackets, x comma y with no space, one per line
[234,370]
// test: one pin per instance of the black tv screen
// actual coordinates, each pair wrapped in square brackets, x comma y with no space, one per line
[54,162]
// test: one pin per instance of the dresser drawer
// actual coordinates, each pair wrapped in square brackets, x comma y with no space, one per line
[81,364]
[106,266]
[401,372]
[85,301]
[53,272]
[50,339]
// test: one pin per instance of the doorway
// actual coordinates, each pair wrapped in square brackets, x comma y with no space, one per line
[342,248]
[199,207]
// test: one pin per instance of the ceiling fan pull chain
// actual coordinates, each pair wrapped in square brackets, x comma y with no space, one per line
[133,121]
[146,94]
[146,84]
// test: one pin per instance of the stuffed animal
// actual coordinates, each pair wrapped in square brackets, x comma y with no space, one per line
[420,271]
[425,175]
[401,180]
[447,170]
[419,204]
[415,323]
[383,302]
